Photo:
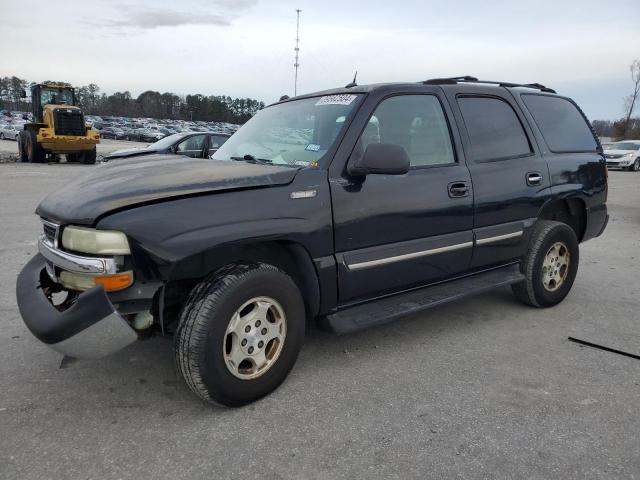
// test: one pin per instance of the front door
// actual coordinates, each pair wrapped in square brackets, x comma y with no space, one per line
[192,146]
[394,232]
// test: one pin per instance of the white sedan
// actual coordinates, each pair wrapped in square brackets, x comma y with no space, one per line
[624,155]
[9,131]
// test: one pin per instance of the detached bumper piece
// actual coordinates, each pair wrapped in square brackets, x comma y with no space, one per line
[90,328]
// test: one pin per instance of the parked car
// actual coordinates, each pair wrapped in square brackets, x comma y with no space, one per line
[10,131]
[353,206]
[112,132]
[624,155]
[193,144]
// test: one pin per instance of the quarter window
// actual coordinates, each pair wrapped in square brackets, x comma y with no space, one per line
[561,124]
[494,129]
[415,122]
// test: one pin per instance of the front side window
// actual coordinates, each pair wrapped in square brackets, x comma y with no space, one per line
[296,133]
[561,124]
[196,142]
[415,122]
[494,130]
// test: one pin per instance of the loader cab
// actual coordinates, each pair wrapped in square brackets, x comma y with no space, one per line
[46,94]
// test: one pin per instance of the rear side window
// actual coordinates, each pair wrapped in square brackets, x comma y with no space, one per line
[494,129]
[561,124]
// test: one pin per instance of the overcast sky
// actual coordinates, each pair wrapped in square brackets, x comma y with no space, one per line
[244,48]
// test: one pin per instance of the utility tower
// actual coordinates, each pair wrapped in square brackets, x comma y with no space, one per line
[297,50]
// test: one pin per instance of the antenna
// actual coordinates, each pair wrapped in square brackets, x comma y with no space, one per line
[353,82]
[297,50]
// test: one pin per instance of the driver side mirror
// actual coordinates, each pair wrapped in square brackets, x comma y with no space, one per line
[380,159]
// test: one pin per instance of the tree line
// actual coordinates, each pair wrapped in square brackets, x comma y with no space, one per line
[212,108]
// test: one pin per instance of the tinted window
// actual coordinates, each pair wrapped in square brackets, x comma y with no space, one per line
[415,122]
[561,124]
[494,129]
[215,141]
[192,143]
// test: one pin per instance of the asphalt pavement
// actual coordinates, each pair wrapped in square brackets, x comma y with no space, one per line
[481,388]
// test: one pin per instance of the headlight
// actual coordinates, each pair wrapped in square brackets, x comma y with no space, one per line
[629,154]
[97,242]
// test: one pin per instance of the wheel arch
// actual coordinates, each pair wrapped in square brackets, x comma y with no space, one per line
[571,210]
[292,257]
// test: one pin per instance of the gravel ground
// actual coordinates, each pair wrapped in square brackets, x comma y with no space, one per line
[9,148]
[483,388]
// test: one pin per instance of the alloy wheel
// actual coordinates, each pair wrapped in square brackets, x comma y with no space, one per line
[555,266]
[254,337]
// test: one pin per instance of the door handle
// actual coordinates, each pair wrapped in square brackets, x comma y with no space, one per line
[458,189]
[534,178]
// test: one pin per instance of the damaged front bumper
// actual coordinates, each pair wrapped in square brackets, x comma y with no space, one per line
[89,328]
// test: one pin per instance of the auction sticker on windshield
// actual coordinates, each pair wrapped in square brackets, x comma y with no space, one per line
[336,100]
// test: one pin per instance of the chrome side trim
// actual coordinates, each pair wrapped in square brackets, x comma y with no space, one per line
[74,263]
[498,238]
[407,256]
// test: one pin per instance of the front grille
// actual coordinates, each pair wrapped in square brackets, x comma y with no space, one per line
[69,121]
[611,155]
[613,164]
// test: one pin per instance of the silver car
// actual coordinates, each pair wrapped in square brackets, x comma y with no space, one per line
[9,131]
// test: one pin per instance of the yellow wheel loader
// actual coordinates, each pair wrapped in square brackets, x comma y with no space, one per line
[58,127]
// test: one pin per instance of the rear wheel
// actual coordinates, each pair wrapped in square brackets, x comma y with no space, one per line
[550,265]
[34,151]
[240,333]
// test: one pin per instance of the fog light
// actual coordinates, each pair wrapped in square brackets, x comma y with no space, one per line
[113,283]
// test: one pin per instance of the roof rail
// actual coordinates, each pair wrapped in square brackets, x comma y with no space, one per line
[470,79]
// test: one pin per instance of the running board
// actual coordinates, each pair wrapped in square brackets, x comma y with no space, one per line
[387,309]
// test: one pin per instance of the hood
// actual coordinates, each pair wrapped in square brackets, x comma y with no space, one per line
[130,152]
[120,185]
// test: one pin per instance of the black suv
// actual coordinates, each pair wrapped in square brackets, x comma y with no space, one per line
[352,206]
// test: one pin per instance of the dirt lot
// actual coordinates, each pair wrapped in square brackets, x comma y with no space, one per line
[483,388]
[9,148]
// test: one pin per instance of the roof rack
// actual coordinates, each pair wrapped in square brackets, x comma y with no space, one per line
[470,79]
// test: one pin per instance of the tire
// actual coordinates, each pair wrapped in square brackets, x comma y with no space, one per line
[537,289]
[636,166]
[202,342]
[1,136]
[22,152]
[88,157]
[34,151]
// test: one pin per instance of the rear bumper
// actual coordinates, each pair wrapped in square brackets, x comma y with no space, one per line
[90,328]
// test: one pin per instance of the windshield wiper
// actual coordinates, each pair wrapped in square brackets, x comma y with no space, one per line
[251,159]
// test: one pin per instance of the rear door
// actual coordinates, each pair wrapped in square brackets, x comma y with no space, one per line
[215,142]
[510,177]
[394,232]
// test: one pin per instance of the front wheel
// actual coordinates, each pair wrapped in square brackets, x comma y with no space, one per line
[240,333]
[550,265]
[636,166]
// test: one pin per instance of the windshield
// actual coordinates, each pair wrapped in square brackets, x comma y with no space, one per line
[55,96]
[625,146]
[296,133]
